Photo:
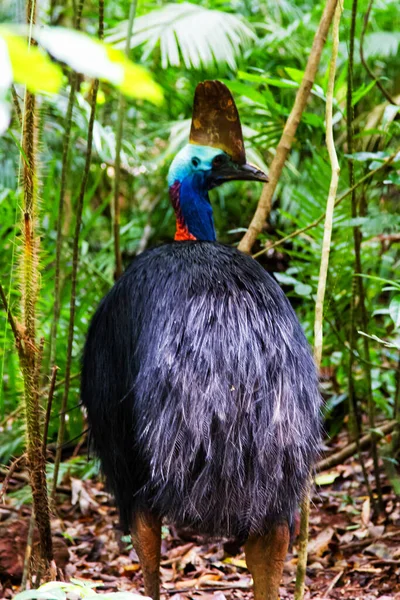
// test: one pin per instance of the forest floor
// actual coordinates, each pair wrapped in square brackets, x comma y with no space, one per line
[352,555]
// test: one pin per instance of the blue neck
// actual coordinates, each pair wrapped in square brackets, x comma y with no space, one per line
[195,208]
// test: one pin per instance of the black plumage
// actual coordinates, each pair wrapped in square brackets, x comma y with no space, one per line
[201,391]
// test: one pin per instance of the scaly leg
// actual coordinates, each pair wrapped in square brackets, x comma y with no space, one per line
[265,556]
[146,539]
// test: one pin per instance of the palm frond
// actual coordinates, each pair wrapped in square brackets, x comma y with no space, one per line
[382,43]
[197,35]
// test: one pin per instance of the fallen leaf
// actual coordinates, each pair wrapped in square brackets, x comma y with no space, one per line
[366,512]
[326,478]
[320,544]
[380,550]
[236,562]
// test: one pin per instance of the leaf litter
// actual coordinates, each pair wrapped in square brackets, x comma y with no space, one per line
[353,554]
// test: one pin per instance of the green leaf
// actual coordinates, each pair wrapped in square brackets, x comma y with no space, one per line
[37,595]
[295,74]
[6,68]
[302,289]
[30,66]
[364,156]
[361,92]
[394,177]
[96,59]
[285,279]
[394,310]
[198,35]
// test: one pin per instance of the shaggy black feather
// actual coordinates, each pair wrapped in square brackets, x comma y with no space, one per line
[201,391]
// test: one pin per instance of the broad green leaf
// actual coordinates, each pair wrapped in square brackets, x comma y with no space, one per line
[5,82]
[96,59]
[36,595]
[394,310]
[303,289]
[30,66]
[5,116]
[6,68]
[285,279]
[394,177]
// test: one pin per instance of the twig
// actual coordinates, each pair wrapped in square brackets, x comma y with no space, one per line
[289,131]
[28,551]
[338,200]
[323,274]
[23,478]
[61,201]
[367,542]
[75,262]
[358,266]
[61,382]
[9,475]
[210,588]
[117,173]
[363,60]
[334,581]
[354,416]
[16,104]
[48,407]
[10,318]
[12,414]
[339,457]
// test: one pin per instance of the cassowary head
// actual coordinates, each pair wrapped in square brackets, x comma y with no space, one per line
[214,155]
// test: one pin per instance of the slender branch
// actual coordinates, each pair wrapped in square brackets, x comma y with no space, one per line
[289,131]
[65,163]
[28,551]
[48,407]
[117,174]
[354,416]
[9,475]
[323,275]
[330,205]
[358,269]
[363,60]
[339,457]
[16,103]
[338,200]
[13,325]
[75,263]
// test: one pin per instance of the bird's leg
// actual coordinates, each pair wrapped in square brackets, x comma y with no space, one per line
[265,556]
[146,539]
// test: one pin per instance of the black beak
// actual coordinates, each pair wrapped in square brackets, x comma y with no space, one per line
[232,171]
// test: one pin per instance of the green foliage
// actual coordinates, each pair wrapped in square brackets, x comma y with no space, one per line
[202,37]
[78,588]
[24,64]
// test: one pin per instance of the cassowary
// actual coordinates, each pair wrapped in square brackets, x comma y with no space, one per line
[201,392]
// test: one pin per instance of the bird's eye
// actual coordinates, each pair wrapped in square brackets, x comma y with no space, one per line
[195,162]
[218,160]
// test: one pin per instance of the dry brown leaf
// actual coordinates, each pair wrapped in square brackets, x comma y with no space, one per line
[319,545]
[366,512]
